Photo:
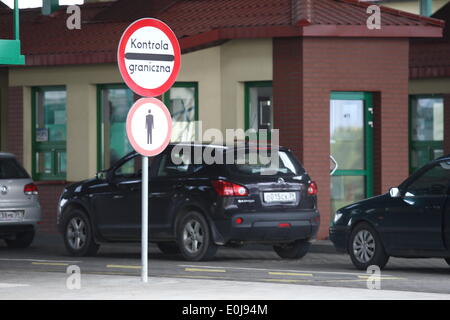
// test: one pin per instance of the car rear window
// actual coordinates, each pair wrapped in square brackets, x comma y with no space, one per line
[254,162]
[11,169]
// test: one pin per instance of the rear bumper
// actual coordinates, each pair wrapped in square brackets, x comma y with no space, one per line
[339,236]
[32,215]
[276,227]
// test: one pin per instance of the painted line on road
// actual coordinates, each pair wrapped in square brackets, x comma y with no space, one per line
[50,264]
[287,280]
[274,270]
[190,276]
[293,274]
[204,270]
[12,285]
[118,266]
[373,277]
[39,260]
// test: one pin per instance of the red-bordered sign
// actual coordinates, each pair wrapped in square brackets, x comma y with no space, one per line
[149,57]
[149,126]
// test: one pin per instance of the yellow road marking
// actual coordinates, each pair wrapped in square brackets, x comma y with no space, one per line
[287,280]
[380,278]
[50,263]
[204,270]
[291,274]
[190,277]
[118,266]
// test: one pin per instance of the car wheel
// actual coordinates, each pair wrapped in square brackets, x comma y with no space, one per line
[168,247]
[22,240]
[366,248]
[78,236]
[194,237]
[294,250]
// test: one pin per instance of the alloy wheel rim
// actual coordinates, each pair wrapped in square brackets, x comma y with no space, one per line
[76,233]
[193,236]
[364,246]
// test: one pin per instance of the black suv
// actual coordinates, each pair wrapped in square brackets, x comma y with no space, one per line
[194,207]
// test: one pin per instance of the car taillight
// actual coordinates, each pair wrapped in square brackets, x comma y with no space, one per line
[30,189]
[312,189]
[229,189]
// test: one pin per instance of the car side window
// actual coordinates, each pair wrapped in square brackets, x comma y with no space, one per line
[434,181]
[131,168]
[173,165]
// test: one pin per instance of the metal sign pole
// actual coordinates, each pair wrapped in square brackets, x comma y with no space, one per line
[144,244]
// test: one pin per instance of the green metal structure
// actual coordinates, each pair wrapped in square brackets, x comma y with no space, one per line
[10,48]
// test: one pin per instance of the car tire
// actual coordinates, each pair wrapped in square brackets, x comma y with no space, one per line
[168,247]
[366,248]
[294,250]
[194,237]
[78,235]
[22,240]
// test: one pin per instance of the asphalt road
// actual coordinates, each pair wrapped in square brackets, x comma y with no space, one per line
[254,265]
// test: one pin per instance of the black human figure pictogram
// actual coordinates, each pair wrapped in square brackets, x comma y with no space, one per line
[149,125]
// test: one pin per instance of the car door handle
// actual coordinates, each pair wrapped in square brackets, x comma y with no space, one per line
[118,196]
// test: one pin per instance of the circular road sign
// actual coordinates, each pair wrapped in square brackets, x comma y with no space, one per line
[149,57]
[149,126]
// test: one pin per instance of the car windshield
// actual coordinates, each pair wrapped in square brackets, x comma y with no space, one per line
[11,169]
[256,162]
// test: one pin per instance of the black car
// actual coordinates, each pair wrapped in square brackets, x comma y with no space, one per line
[194,207]
[412,220]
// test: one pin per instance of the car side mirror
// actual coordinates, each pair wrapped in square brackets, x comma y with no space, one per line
[395,193]
[102,175]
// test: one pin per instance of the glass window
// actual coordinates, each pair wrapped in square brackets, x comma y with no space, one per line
[168,168]
[49,133]
[116,101]
[346,190]
[427,130]
[347,133]
[130,168]
[182,102]
[432,182]
[259,105]
[11,169]
[257,163]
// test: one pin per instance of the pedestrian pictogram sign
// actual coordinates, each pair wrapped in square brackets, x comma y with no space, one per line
[149,57]
[149,126]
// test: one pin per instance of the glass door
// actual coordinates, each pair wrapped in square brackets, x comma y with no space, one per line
[351,130]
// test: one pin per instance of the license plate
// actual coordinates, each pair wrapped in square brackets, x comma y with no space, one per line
[11,215]
[279,197]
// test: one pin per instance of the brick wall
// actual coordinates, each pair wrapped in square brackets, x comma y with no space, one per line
[342,64]
[287,92]
[14,139]
[49,193]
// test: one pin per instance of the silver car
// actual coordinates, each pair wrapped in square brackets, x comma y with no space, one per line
[20,211]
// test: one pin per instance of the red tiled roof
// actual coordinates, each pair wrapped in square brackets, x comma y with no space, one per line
[199,23]
[430,58]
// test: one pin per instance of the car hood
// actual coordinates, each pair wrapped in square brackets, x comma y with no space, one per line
[368,203]
[81,185]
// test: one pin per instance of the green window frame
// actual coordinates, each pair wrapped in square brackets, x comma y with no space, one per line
[101,165]
[248,86]
[179,116]
[430,149]
[53,152]
[368,173]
